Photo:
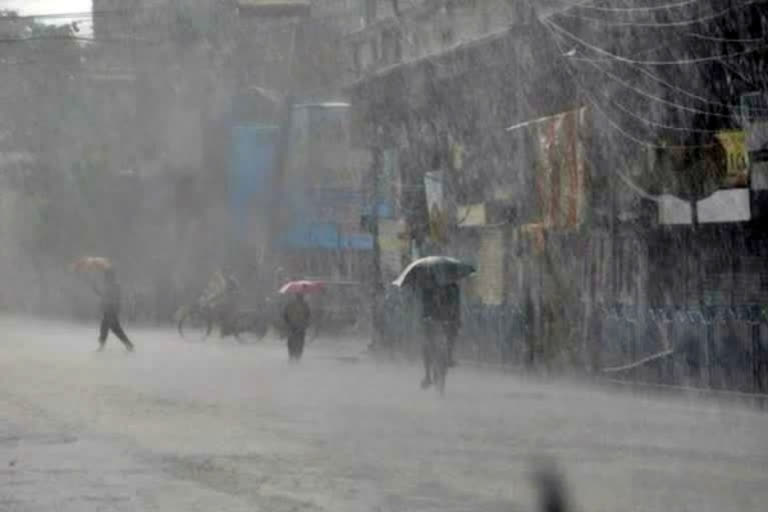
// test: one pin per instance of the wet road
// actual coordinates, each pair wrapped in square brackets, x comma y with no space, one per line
[202,427]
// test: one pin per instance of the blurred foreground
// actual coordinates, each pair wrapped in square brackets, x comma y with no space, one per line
[219,426]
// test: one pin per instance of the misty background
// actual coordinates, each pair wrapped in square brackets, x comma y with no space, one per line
[601,165]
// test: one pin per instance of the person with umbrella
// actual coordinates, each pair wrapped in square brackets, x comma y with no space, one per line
[441,314]
[448,313]
[110,308]
[110,296]
[296,315]
[436,279]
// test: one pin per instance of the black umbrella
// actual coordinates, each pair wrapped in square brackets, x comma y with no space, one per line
[434,270]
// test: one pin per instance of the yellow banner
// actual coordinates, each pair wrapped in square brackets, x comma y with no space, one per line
[737,157]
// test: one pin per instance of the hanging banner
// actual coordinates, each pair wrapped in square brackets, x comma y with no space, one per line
[433,185]
[737,158]
[561,170]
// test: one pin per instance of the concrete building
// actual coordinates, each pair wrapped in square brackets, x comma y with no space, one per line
[210,80]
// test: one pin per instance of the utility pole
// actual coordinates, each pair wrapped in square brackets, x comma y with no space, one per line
[376,163]
[281,154]
[376,285]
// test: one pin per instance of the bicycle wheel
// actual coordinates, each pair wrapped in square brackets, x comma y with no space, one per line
[250,327]
[195,325]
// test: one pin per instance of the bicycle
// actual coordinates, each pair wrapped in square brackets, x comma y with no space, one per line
[197,322]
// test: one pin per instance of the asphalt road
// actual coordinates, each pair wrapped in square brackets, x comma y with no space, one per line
[203,427]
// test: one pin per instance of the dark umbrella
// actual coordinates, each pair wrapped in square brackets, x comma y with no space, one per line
[440,270]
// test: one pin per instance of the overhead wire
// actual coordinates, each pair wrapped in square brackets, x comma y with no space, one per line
[552,27]
[593,101]
[608,118]
[649,8]
[629,182]
[629,112]
[624,178]
[658,24]
[687,93]
[654,97]
[734,40]
[666,83]
[674,62]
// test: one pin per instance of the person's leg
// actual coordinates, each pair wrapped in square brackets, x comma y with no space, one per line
[103,331]
[119,332]
[451,333]
[291,342]
[301,337]
[427,353]
[221,318]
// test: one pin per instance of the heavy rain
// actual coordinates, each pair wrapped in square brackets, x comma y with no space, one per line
[383,255]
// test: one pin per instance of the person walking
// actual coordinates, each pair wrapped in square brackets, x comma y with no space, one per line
[297,316]
[441,315]
[110,311]
[449,315]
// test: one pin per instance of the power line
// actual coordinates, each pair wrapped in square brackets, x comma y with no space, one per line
[652,96]
[658,125]
[660,80]
[627,111]
[676,62]
[725,39]
[657,24]
[690,94]
[653,8]
[626,179]
[625,133]
[616,126]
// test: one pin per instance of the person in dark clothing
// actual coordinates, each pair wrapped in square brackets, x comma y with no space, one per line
[450,316]
[441,313]
[227,306]
[296,316]
[110,310]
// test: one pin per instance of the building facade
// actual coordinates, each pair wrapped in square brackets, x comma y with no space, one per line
[562,175]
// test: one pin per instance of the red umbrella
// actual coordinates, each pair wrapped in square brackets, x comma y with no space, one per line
[302,287]
[91,263]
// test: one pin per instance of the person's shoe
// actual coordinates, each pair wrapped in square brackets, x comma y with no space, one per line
[452,363]
[100,349]
[426,382]
[130,348]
